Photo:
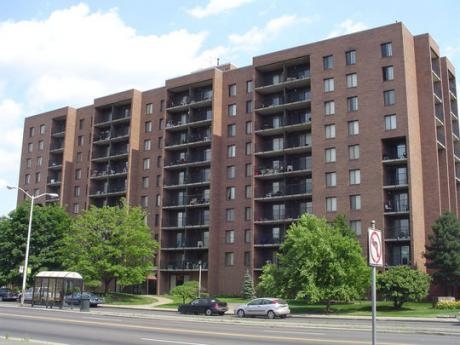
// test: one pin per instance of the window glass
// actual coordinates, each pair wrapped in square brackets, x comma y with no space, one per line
[330,155]
[329,107]
[389,97]
[331,179]
[331,204]
[350,57]
[390,122]
[353,127]
[330,131]
[328,62]
[352,80]
[352,103]
[388,73]
[328,84]
[386,49]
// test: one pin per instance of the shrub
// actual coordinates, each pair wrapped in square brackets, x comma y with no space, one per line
[450,305]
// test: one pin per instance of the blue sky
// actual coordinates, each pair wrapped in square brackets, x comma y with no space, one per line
[62,52]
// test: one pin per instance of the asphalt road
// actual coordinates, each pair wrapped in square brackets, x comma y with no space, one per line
[122,326]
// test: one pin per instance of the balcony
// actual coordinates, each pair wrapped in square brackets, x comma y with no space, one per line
[192,265]
[398,233]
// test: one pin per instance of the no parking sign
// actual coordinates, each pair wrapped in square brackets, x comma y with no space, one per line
[375,247]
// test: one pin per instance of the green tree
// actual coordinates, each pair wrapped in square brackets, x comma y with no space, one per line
[402,284]
[443,253]
[340,222]
[188,290]
[248,286]
[317,263]
[110,244]
[48,225]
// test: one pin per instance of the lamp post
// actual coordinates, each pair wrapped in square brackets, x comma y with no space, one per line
[29,230]
[199,279]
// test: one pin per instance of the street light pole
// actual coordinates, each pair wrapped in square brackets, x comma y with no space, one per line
[29,231]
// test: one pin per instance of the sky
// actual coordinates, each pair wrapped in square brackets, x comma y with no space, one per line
[57,53]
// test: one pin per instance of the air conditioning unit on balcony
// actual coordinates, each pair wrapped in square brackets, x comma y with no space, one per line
[53,180]
[199,244]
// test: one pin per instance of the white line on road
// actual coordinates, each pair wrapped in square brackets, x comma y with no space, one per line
[172,342]
[294,332]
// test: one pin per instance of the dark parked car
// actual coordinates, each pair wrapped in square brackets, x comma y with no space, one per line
[75,298]
[206,306]
[7,294]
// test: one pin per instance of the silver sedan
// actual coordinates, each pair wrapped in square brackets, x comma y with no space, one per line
[266,306]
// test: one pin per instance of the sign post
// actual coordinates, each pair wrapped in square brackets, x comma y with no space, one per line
[375,259]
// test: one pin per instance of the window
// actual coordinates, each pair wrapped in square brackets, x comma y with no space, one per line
[249,86]
[386,49]
[145,182]
[355,176]
[161,124]
[146,163]
[231,151]
[147,144]
[29,163]
[355,202]
[230,214]
[144,201]
[247,235]
[248,127]
[388,73]
[79,157]
[352,80]
[330,131]
[330,155]
[30,147]
[329,107]
[149,108]
[78,174]
[331,204]
[328,84]
[148,126]
[158,200]
[350,57]
[328,62]
[81,123]
[355,225]
[353,127]
[158,180]
[229,259]
[390,122]
[247,259]
[42,129]
[248,149]
[231,130]
[80,140]
[231,171]
[159,161]
[230,236]
[27,179]
[39,161]
[248,168]
[353,152]
[76,191]
[389,97]
[248,191]
[37,177]
[41,145]
[249,107]
[331,179]
[76,208]
[232,90]
[277,144]
[247,213]
[31,131]
[232,110]
[352,103]
[231,193]
[162,105]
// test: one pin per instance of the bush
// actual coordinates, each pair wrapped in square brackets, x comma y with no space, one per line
[450,305]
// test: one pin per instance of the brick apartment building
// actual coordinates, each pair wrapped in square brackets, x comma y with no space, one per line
[225,159]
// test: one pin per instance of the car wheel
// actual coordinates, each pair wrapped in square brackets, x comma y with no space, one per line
[181,311]
[270,314]
[240,313]
[208,312]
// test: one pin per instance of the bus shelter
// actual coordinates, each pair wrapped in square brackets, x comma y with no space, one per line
[51,287]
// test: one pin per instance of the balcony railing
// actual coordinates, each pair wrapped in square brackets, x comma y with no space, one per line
[185,265]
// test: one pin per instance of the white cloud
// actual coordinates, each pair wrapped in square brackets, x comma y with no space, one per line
[348,26]
[215,7]
[75,55]
[257,36]
[10,147]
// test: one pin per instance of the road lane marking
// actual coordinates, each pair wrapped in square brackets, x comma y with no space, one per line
[171,342]
[200,332]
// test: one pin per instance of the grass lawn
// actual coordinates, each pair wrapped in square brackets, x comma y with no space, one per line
[127,299]
[363,308]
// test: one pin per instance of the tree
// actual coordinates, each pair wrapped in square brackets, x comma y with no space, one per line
[443,252]
[110,243]
[48,225]
[186,291]
[402,284]
[317,263]
[248,286]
